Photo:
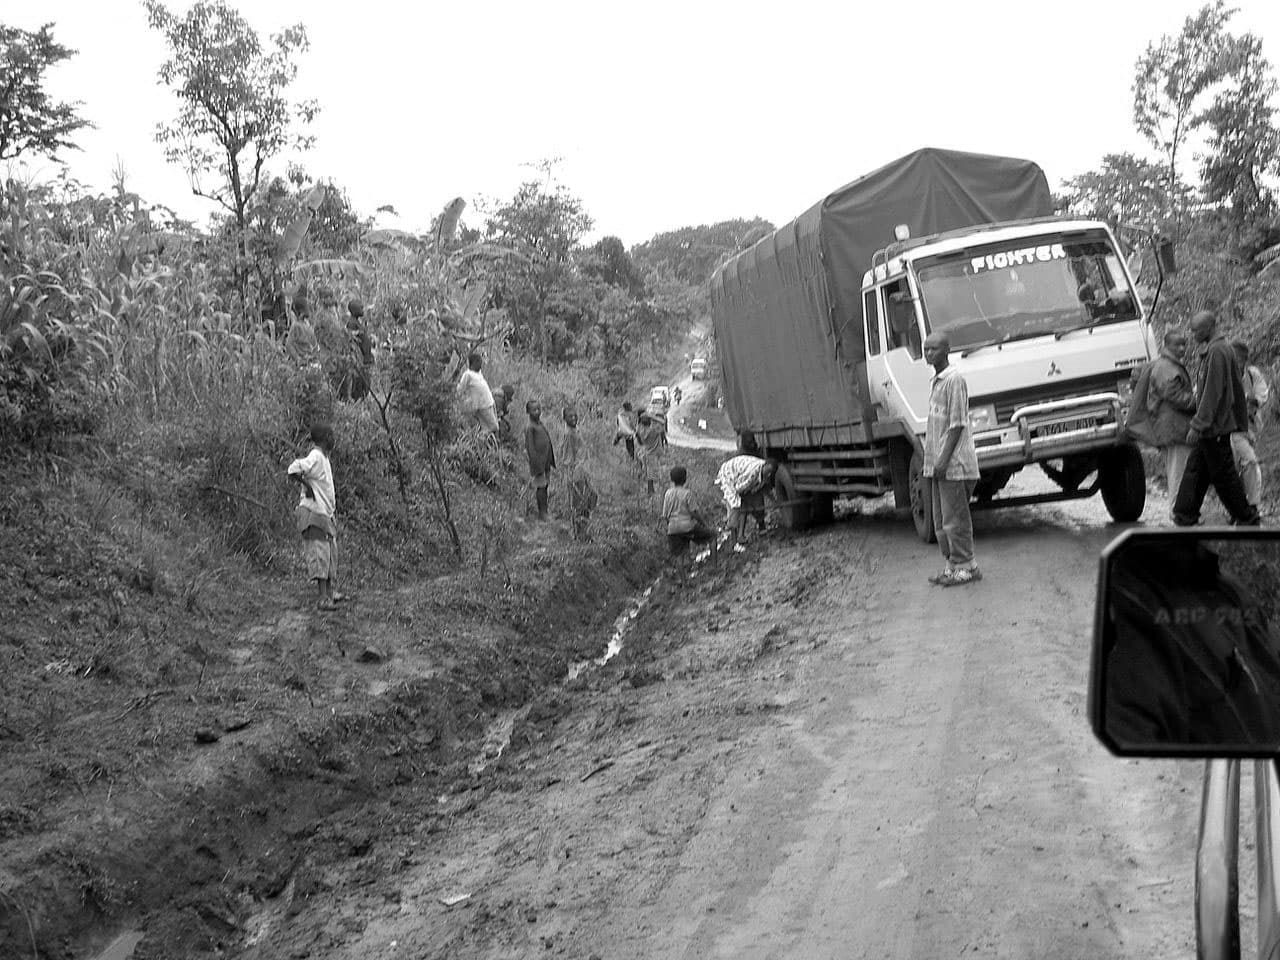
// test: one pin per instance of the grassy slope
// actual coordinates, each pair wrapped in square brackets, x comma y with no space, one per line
[128,637]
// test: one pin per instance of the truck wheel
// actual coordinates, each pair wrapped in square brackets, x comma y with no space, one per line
[793,507]
[1123,480]
[822,508]
[921,505]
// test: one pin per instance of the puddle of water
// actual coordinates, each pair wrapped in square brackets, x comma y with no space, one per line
[498,736]
[496,739]
[122,947]
[621,627]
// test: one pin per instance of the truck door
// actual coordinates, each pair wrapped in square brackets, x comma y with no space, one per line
[898,376]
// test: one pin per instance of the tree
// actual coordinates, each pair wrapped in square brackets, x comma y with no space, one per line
[235,114]
[1126,189]
[1243,144]
[29,120]
[1173,77]
[692,254]
[544,224]
[609,261]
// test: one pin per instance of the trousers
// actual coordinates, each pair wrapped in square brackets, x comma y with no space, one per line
[1212,464]
[952,521]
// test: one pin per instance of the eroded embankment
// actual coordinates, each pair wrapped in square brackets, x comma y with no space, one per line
[188,854]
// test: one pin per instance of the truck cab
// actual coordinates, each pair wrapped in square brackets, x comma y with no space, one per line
[1046,327]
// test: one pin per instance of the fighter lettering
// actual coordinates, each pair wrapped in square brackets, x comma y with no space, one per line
[1016,258]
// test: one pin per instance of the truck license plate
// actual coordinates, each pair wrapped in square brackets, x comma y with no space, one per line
[1066,426]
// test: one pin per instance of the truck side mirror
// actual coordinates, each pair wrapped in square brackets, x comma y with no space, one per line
[1165,252]
[1186,644]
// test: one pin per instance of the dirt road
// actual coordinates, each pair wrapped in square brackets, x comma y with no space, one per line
[684,420]
[808,752]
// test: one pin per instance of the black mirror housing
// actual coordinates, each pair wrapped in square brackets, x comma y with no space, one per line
[1165,252]
[1186,646]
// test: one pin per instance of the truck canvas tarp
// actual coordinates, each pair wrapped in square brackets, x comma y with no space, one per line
[787,311]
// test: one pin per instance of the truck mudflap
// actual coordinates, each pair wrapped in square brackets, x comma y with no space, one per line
[1052,429]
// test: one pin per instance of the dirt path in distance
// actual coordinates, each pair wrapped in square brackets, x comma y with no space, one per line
[813,753]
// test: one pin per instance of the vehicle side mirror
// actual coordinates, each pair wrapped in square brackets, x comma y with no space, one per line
[1186,645]
[1165,252]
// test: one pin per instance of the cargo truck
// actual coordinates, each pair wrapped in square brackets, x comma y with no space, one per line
[820,328]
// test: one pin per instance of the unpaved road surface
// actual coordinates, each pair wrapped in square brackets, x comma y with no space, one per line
[805,752]
[683,429]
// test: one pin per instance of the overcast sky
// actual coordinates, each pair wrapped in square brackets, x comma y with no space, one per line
[666,114]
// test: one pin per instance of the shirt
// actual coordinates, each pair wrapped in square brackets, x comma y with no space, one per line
[949,408]
[1256,393]
[315,469]
[736,476]
[677,510]
[537,444]
[572,447]
[474,391]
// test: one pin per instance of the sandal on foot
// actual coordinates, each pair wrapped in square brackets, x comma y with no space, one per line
[938,578]
[958,578]
[340,597]
[326,605]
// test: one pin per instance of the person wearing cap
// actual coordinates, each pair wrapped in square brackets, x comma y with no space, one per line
[1244,443]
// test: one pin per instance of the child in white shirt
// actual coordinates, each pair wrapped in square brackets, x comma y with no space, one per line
[315,516]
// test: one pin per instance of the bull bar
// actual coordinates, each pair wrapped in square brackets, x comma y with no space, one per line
[1021,442]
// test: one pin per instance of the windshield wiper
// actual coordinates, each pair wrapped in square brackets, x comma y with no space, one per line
[1001,341]
[1105,318]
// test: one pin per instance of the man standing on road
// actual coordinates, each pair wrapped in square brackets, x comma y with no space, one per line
[1244,443]
[1221,411]
[950,463]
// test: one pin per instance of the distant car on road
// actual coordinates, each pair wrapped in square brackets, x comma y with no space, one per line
[698,368]
[660,399]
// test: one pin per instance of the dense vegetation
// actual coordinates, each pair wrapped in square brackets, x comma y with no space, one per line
[1210,93]
[206,350]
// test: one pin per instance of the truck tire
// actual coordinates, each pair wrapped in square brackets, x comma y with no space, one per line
[1123,481]
[921,503]
[793,508]
[822,508]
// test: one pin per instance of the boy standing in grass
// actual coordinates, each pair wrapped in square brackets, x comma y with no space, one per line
[542,456]
[315,515]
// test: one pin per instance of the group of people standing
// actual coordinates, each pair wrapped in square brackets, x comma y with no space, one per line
[1206,431]
[491,410]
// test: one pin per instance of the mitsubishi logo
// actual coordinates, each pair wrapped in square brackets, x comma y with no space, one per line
[1054,370]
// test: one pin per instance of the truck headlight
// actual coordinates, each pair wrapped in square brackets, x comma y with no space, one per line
[983,417]
[1124,387]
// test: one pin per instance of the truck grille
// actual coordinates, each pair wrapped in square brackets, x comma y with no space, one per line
[1007,403]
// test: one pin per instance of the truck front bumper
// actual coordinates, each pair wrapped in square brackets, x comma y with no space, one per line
[1055,428]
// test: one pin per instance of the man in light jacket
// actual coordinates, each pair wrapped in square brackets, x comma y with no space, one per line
[1171,402]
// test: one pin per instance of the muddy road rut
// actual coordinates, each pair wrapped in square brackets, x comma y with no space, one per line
[812,753]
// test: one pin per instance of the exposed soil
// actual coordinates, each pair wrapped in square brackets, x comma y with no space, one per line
[806,750]
[175,746]
[812,753]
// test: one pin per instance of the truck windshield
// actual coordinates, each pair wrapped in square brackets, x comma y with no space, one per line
[1020,289]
